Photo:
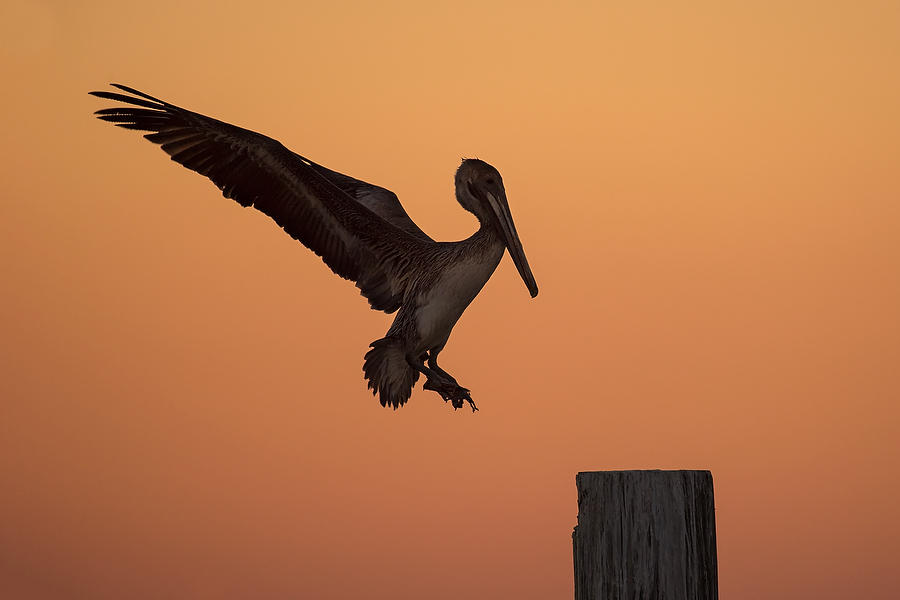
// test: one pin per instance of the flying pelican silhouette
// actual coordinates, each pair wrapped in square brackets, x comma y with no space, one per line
[360,230]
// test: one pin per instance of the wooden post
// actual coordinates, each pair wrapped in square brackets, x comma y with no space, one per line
[645,535]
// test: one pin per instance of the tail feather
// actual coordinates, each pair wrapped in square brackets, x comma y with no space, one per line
[389,374]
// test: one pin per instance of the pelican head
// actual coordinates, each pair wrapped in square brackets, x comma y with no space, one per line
[479,189]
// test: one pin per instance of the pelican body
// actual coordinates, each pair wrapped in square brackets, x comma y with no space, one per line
[360,230]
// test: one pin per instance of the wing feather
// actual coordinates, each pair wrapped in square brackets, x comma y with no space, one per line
[379,200]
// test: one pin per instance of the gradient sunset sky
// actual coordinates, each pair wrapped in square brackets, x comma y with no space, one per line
[708,194]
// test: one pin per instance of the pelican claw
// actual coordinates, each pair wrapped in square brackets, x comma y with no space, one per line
[452,392]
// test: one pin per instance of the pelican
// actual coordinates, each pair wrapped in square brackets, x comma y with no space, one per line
[360,230]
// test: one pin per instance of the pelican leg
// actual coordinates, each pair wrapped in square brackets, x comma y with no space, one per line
[433,364]
[443,383]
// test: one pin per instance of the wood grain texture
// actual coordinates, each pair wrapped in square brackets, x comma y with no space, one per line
[645,535]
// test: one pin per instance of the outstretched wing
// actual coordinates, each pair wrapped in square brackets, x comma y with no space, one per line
[361,231]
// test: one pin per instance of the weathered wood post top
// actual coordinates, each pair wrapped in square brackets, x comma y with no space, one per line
[645,535]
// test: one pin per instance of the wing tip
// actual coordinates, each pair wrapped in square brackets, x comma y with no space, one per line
[137,97]
[100,93]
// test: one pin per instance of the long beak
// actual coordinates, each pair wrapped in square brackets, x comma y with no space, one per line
[511,237]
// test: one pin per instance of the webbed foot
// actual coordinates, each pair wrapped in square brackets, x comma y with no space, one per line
[451,391]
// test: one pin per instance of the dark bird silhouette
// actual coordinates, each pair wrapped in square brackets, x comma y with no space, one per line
[360,230]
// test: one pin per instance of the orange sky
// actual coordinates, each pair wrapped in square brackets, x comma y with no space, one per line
[708,197]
